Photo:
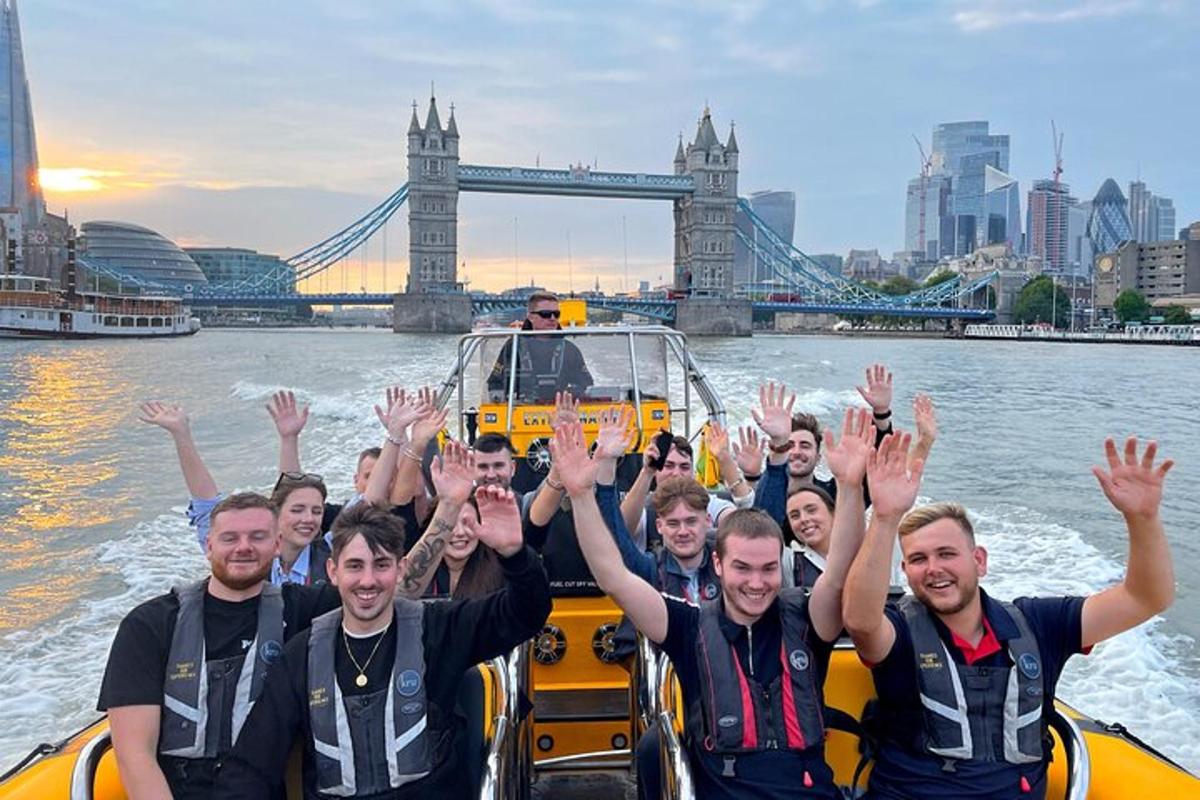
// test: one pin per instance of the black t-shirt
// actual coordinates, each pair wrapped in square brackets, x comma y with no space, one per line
[771,773]
[1056,623]
[565,565]
[456,634]
[137,661]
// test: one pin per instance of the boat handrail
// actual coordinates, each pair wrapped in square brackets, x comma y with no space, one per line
[1079,761]
[83,774]
[676,770]
[495,768]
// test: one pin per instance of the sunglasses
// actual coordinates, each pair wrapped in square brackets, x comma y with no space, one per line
[548,314]
[298,476]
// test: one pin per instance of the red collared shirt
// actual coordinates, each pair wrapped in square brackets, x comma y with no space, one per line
[988,644]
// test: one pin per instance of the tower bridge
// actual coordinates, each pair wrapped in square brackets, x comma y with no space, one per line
[702,188]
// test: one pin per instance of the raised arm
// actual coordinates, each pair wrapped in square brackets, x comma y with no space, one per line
[633,505]
[401,412]
[927,428]
[174,420]
[550,492]
[454,479]
[1134,487]
[135,741]
[878,394]
[774,417]
[289,420]
[894,488]
[643,605]
[717,439]
[612,440]
[847,459]
[409,486]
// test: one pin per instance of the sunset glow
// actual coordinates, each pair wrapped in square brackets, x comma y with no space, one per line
[73,179]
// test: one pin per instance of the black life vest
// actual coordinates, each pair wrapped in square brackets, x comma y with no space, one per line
[978,712]
[200,695]
[732,713]
[371,743]
[676,584]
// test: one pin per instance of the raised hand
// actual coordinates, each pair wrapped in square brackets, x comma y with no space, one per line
[393,396]
[168,416]
[614,435]
[499,525]
[566,410]
[926,419]
[427,426]
[649,456]
[289,418]
[775,418]
[748,451]
[892,482]
[847,457]
[576,469]
[717,439]
[878,391]
[454,473]
[1133,487]
[401,416]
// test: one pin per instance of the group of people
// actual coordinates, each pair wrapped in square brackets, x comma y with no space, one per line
[316,623]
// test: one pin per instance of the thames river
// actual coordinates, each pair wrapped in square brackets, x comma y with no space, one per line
[91,500]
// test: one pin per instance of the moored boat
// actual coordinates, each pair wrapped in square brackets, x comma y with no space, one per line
[35,308]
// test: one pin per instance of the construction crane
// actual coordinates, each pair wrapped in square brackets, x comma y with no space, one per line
[926,171]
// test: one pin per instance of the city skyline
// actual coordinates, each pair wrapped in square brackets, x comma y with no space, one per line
[221,129]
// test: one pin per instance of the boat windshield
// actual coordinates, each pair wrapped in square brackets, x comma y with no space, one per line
[617,366]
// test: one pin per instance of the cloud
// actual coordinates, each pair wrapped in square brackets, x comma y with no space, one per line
[993,15]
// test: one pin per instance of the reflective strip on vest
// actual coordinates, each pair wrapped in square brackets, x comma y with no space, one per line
[948,718]
[724,718]
[183,731]
[406,748]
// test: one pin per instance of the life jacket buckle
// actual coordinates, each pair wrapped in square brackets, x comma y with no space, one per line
[728,772]
[948,765]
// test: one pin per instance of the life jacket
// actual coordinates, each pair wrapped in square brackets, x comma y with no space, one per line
[201,695]
[732,713]
[348,747]
[676,584]
[319,552]
[978,712]
[807,566]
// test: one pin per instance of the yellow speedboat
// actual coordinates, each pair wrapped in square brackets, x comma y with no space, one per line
[589,710]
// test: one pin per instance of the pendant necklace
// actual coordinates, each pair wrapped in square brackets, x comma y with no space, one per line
[361,680]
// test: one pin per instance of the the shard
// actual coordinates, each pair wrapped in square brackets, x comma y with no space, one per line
[19,188]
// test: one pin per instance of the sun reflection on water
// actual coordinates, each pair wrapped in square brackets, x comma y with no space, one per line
[58,455]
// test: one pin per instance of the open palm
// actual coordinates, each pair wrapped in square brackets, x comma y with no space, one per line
[1133,486]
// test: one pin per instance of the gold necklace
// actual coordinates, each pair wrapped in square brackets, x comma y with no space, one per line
[361,680]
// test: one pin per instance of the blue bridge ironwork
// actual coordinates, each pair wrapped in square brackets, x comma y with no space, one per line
[578,181]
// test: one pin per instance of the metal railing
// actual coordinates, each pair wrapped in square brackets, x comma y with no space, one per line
[83,774]
[1079,761]
[676,770]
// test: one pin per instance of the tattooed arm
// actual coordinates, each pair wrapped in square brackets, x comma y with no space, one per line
[453,477]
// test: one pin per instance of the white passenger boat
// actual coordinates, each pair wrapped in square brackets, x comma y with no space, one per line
[36,308]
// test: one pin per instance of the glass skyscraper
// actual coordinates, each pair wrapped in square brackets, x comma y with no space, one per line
[1109,225]
[778,210]
[982,210]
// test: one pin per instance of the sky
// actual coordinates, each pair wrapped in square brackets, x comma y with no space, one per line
[272,124]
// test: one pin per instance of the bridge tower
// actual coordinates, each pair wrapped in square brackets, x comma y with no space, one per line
[432,202]
[704,230]
[704,234]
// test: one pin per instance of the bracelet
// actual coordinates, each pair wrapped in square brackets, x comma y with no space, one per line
[408,453]
[881,417]
[780,448]
[558,487]
[399,441]
[751,478]
[739,482]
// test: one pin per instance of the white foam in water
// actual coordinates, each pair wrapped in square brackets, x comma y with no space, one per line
[1133,678]
[55,701]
